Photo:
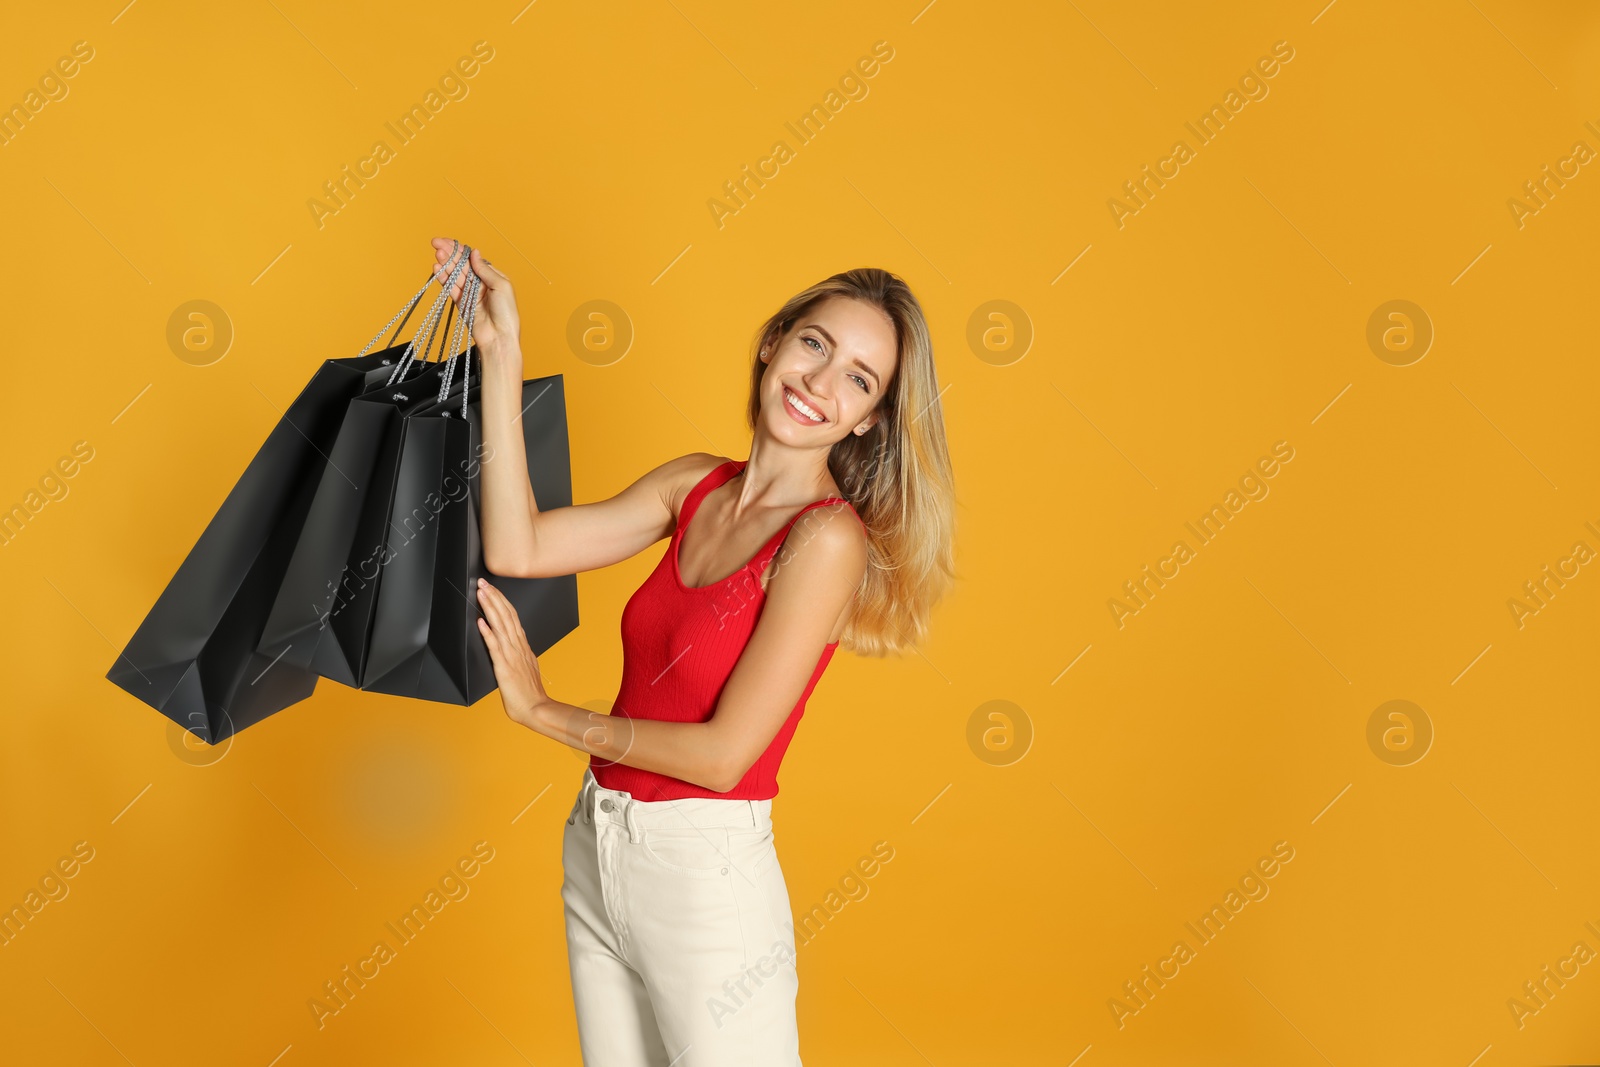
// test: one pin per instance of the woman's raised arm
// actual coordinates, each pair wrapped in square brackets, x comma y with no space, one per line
[509,510]
[519,540]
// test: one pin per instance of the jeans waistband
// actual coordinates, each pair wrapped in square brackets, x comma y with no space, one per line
[596,803]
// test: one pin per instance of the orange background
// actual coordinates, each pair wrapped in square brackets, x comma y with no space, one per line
[1040,860]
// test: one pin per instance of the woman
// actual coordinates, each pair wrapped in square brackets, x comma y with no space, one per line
[837,529]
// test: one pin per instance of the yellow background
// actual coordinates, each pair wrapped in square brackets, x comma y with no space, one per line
[1229,714]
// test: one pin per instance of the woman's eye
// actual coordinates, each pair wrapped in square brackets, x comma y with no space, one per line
[814,341]
[863,382]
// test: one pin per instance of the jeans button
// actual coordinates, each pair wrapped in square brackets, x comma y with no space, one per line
[605,804]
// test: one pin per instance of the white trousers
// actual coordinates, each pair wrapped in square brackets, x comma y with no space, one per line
[679,935]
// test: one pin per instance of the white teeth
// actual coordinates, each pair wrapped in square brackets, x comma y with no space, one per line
[795,403]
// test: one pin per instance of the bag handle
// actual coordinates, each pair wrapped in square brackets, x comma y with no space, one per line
[431,321]
[469,298]
[411,305]
[425,350]
[472,317]
[449,318]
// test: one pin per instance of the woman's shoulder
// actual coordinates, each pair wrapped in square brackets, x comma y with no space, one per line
[827,537]
[695,467]
[687,472]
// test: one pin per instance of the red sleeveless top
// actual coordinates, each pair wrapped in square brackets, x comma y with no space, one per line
[679,646]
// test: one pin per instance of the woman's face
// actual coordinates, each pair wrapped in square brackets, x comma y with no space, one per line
[836,360]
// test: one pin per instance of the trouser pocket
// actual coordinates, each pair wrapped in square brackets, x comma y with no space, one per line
[753,850]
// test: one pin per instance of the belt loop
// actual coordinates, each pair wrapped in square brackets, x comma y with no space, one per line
[750,811]
[630,818]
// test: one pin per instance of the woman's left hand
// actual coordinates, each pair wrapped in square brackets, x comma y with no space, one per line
[515,666]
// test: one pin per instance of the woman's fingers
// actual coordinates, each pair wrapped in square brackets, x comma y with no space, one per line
[506,625]
[492,639]
[505,614]
[499,611]
[447,254]
[446,251]
[513,619]
[491,618]
[502,632]
[506,618]
[493,277]
[490,279]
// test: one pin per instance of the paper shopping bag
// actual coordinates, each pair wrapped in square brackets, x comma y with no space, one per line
[195,657]
[425,638]
[320,619]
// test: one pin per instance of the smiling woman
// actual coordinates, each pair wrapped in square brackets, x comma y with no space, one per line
[672,882]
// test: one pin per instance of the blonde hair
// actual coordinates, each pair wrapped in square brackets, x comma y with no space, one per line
[897,475]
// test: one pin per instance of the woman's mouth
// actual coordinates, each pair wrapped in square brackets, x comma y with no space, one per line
[799,410]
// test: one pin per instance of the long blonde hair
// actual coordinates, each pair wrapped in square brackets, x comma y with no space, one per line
[897,475]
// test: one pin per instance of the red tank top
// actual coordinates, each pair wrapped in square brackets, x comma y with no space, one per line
[679,647]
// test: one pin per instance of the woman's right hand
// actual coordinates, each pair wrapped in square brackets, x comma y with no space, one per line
[496,326]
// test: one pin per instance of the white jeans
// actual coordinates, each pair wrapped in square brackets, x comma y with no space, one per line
[679,935]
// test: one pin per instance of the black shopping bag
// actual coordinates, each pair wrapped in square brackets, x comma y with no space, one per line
[195,656]
[425,640]
[320,619]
